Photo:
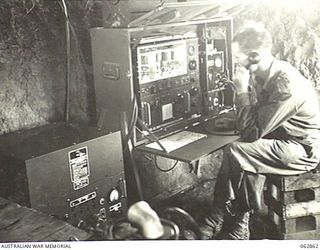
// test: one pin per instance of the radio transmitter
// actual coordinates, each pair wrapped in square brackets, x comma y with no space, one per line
[71,171]
[165,76]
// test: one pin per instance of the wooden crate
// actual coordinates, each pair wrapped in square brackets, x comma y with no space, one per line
[301,228]
[294,205]
[296,182]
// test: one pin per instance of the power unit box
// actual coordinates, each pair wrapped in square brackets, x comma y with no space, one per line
[71,171]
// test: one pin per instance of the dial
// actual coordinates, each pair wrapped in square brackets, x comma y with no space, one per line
[191,50]
[218,62]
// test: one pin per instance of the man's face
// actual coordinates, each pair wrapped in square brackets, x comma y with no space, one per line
[239,56]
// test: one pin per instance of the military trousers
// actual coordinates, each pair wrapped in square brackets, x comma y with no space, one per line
[245,165]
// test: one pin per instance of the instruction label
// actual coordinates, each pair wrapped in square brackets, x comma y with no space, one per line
[79,167]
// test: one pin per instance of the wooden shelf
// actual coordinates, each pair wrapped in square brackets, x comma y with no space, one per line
[197,149]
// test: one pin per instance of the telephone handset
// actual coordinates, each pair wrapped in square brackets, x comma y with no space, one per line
[254,58]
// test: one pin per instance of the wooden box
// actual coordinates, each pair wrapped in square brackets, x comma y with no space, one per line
[294,205]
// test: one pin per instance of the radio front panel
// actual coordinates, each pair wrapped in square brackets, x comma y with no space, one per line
[167,82]
[177,75]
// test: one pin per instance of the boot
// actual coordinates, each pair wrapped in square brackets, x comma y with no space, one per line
[213,224]
[240,229]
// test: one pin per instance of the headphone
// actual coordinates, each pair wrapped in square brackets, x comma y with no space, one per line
[254,58]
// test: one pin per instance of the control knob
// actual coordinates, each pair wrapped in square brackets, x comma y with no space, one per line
[192,64]
[180,98]
[114,195]
[194,91]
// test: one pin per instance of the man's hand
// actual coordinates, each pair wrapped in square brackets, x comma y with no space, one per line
[241,79]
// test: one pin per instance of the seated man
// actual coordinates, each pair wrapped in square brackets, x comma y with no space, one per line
[279,124]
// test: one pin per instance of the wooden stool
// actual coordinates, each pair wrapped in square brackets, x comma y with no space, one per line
[294,205]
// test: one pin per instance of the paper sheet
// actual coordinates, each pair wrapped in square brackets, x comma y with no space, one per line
[176,141]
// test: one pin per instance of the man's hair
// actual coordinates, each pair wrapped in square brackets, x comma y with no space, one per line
[253,36]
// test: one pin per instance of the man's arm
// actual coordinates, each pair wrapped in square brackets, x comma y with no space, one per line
[255,121]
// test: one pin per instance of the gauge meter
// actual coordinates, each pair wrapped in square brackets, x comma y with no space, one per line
[218,62]
[191,50]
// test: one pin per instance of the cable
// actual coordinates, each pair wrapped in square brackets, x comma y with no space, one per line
[147,136]
[127,142]
[164,170]
[132,122]
[229,83]
[77,47]
[68,49]
[174,226]
[143,134]
[134,116]
[135,174]
[152,134]
[221,105]
[109,229]
[233,87]
[227,57]
[187,217]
